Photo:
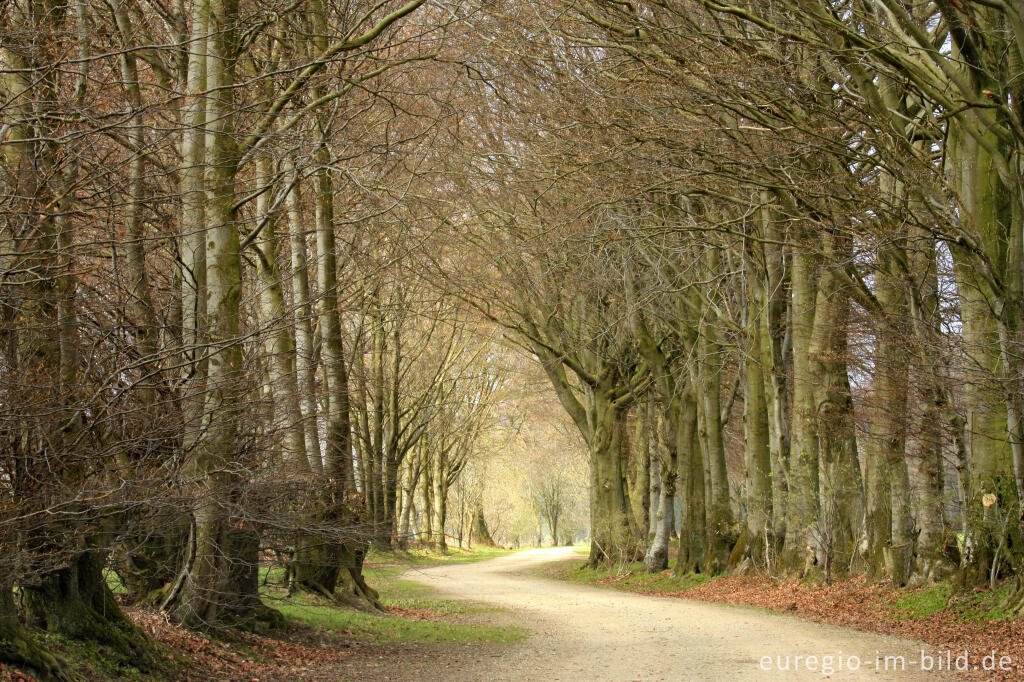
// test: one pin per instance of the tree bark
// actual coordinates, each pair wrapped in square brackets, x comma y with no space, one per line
[284,386]
[304,363]
[803,498]
[887,484]
[656,558]
[692,534]
[481,535]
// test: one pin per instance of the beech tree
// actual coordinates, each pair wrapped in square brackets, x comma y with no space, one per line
[271,272]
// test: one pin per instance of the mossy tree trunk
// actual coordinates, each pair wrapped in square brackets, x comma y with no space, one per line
[20,650]
[886,478]
[74,601]
[803,496]
[692,535]
[482,536]
[68,595]
[757,449]
[204,595]
[994,218]
[614,534]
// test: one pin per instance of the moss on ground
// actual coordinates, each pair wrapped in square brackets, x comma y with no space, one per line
[976,606]
[91,661]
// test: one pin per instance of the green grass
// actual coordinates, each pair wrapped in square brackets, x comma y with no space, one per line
[980,606]
[432,624]
[630,577]
[382,571]
[987,605]
[390,628]
[408,594]
[922,603]
[114,582]
[427,557]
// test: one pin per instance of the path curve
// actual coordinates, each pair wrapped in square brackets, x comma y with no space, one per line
[580,632]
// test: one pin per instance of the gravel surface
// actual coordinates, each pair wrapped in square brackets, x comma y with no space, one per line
[580,632]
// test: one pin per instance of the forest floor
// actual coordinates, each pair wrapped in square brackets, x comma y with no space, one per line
[323,641]
[975,628]
[538,615]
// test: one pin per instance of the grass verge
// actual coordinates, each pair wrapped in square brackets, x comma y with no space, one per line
[629,577]
[979,622]
[416,613]
[322,633]
[978,606]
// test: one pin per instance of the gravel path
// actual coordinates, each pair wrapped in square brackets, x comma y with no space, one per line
[588,633]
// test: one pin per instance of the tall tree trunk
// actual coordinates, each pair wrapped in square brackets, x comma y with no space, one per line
[888,516]
[205,585]
[427,536]
[304,361]
[140,292]
[614,536]
[803,498]
[720,535]
[992,468]
[599,418]
[393,453]
[757,451]
[481,535]
[408,504]
[656,558]
[758,541]
[192,242]
[643,494]
[378,455]
[842,487]
[776,362]
[440,502]
[338,441]
[933,412]
[288,417]
[651,493]
[692,536]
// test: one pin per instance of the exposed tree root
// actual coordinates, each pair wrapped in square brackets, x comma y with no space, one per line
[17,649]
[75,602]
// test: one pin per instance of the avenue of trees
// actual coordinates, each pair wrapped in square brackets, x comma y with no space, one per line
[279,277]
[777,253]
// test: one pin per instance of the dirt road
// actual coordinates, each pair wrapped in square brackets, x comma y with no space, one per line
[587,633]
